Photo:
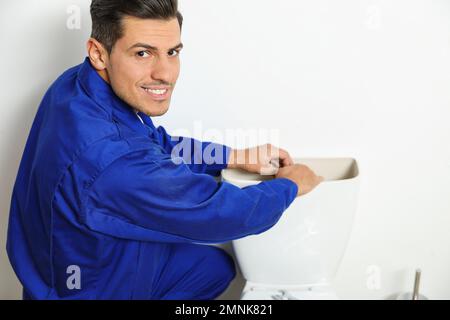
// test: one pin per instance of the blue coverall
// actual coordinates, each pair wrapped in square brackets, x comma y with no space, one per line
[97,190]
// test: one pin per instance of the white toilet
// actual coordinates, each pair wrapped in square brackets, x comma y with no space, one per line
[299,256]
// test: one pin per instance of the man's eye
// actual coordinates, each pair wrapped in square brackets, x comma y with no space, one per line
[174,53]
[143,54]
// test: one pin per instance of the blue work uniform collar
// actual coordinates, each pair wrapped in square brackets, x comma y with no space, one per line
[102,93]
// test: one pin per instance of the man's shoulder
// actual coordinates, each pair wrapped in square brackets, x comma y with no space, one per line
[68,121]
[72,112]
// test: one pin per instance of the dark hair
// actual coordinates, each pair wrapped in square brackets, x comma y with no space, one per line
[107,16]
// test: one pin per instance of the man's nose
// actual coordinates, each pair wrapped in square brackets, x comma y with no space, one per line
[162,70]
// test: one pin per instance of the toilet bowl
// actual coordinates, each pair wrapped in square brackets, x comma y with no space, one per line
[299,256]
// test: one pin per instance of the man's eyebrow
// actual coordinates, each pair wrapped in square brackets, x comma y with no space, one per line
[150,47]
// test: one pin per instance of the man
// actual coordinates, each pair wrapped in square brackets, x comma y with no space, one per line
[101,207]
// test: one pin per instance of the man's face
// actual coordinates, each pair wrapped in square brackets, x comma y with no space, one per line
[146,59]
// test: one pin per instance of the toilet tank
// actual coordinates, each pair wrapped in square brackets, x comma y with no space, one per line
[306,245]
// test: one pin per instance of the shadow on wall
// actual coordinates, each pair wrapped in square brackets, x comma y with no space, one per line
[43,40]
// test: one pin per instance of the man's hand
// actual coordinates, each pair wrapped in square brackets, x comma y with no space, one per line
[303,176]
[265,159]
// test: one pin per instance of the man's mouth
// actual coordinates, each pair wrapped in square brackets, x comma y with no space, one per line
[157,93]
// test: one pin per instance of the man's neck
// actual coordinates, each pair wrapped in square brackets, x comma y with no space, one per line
[104,75]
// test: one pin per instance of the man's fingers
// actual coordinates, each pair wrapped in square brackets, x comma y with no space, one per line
[270,153]
[285,158]
[274,163]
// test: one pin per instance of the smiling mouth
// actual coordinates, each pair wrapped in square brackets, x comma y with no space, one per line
[157,94]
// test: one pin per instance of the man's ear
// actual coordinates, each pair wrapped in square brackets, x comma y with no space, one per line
[97,54]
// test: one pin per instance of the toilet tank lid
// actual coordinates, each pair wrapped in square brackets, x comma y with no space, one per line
[329,168]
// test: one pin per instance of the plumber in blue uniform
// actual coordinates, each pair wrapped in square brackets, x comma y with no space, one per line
[102,206]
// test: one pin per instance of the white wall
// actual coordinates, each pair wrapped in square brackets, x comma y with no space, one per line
[368,79]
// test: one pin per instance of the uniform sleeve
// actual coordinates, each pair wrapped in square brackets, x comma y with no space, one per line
[200,157]
[142,199]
